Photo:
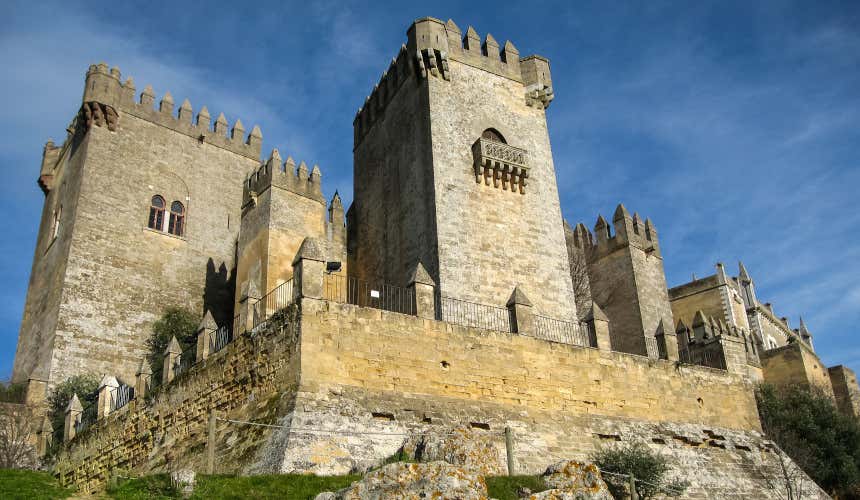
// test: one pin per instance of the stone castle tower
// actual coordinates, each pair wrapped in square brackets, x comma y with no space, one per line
[453,169]
[626,280]
[146,209]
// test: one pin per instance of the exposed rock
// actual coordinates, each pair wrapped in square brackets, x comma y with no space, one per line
[573,480]
[470,448]
[408,481]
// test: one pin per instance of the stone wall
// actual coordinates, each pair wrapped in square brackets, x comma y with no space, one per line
[357,384]
[252,378]
[61,185]
[844,382]
[795,364]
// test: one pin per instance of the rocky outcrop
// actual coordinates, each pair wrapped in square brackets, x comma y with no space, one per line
[573,480]
[408,481]
[472,449]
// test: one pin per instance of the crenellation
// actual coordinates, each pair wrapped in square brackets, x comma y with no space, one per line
[185,112]
[147,97]
[166,104]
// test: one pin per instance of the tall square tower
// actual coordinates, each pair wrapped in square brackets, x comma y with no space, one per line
[453,169]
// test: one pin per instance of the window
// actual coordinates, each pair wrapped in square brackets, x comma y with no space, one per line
[55,227]
[493,135]
[177,219]
[156,213]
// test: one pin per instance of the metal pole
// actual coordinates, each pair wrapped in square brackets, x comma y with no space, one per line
[509,448]
[210,444]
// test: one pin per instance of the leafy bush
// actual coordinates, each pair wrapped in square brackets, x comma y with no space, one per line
[807,426]
[647,467]
[177,322]
[12,393]
[84,385]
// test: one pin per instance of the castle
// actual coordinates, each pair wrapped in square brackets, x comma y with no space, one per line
[450,291]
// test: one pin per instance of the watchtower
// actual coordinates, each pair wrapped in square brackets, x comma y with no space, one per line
[627,281]
[454,169]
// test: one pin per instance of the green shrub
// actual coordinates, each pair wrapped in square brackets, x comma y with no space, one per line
[647,467]
[807,426]
[84,385]
[177,322]
[12,393]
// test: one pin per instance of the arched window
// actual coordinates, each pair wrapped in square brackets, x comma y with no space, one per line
[177,219]
[156,213]
[493,135]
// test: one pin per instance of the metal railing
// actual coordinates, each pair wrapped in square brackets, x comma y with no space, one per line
[185,360]
[280,297]
[652,348]
[362,293]
[121,396]
[472,314]
[702,358]
[87,417]
[219,339]
[565,332]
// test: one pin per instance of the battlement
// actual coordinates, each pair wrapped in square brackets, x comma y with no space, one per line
[285,175]
[431,45]
[625,230]
[105,98]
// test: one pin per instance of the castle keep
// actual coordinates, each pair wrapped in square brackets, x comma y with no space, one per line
[450,294]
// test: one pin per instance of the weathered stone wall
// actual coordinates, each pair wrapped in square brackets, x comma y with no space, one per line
[795,365]
[45,290]
[845,389]
[357,384]
[273,227]
[254,378]
[373,379]
[700,295]
[345,345]
[392,222]
[113,276]
[505,238]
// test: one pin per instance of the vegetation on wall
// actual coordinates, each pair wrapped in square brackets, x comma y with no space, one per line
[12,393]
[85,386]
[650,470]
[177,322]
[823,442]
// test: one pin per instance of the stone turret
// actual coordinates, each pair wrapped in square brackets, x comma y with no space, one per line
[626,278]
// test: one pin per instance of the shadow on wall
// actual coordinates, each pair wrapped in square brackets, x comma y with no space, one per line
[218,292]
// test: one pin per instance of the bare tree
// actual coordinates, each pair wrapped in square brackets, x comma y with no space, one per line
[16,448]
[579,278]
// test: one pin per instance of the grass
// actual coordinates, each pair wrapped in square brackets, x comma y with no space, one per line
[31,485]
[505,487]
[292,486]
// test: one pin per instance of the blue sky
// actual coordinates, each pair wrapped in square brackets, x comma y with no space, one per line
[734,125]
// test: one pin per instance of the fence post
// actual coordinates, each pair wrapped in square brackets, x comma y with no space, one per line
[423,290]
[667,342]
[44,437]
[250,297]
[210,444]
[107,388]
[509,449]
[170,355]
[521,308]
[73,412]
[143,379]
[204,336]
[597,320]
[632,485]
[309,269]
